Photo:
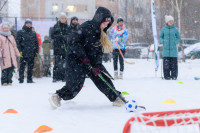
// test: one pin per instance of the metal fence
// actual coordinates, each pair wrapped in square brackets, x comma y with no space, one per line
[41,25]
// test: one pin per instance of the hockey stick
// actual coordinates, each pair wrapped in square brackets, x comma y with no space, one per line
[107,75]
[123,55]
[118,95]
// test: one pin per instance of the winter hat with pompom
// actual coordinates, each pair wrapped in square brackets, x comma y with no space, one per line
[168,18]
[63,15]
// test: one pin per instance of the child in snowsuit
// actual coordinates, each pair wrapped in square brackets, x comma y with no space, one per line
[118,35]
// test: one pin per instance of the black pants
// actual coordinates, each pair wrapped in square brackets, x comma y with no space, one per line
[116,56]
[59,67]
[75,78]
[170,67]
[6,75]
[30,62]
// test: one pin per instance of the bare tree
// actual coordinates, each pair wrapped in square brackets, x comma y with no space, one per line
[177,5]
[4,3]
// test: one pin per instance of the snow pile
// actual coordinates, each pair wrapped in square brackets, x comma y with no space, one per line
[192,48]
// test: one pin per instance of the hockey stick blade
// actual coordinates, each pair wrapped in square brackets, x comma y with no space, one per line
[128,62]
[142,107]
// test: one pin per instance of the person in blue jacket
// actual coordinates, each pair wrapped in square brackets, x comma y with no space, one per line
[118,35]
[170,37]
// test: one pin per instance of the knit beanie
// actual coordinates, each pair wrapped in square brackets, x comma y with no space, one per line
[74,18]
[168,18]
[28,20]
[5,25]
[62,15]
[120,20]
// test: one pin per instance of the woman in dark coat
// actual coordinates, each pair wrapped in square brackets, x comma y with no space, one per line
[59,35]
[85,49]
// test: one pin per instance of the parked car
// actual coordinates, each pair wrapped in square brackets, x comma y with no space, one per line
[134,50]
[186,42]
[195,55]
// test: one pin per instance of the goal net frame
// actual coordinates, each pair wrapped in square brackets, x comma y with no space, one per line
[165,119]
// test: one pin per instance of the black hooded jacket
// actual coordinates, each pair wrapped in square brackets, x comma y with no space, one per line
[59,35]
[27,42]
[85,42]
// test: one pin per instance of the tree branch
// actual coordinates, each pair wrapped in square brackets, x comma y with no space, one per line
[4,4]
[172,3]
[181,5]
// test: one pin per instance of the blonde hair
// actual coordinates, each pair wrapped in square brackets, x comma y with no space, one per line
[105,42]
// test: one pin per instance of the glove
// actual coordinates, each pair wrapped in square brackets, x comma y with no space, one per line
[85,61]
[21,54]
[96,71]
[1,59]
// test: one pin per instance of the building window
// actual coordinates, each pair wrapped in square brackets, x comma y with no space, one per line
[70,8]
[86,8]
[55,8]
[96,7]
[112,0]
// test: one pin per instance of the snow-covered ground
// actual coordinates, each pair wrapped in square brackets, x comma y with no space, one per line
[91,111]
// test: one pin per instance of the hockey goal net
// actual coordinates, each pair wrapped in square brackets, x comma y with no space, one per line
[180,121]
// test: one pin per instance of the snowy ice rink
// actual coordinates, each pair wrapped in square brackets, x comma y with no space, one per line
[91,111]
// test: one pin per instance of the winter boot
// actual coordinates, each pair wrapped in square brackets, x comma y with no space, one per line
[54,100]
[121,75]
[4,84]
[54,80]
[118,102]
[115,75]
[30,81]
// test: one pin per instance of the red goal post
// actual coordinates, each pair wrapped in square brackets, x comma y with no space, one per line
[163,119]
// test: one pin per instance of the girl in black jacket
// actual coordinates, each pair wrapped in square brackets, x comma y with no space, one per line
[85,49]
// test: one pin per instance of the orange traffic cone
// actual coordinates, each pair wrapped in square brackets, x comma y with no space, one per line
[43,129]
[10,111]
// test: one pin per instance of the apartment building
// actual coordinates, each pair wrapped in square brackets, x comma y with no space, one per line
[9,9]
[112,5]
[83,9]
